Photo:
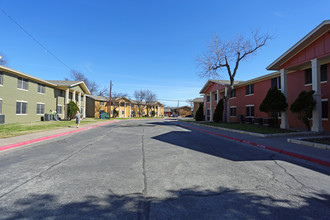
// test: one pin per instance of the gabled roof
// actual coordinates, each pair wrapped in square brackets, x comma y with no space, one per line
[300,45]
[99,98]
[198,100]
[69,84]
[221,82]
[26,76]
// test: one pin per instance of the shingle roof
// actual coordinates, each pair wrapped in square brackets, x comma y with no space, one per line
[64,82]
[98,98]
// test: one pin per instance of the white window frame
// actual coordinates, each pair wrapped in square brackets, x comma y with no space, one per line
[249,89]
[22,85]
[1,78]
[40,103]
[1,106]
[21,109]
[43,87]
[61,109]
[235,112]
[250,105]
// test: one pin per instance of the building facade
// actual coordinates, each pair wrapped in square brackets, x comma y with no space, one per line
[304,67]
[24,98]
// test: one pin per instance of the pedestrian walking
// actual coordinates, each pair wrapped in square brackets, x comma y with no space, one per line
[78,115]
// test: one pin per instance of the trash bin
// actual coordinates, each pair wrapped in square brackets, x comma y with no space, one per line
[47,117]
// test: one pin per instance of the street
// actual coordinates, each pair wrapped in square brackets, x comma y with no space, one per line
[154,169]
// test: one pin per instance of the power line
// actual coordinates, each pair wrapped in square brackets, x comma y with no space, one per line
[33,38]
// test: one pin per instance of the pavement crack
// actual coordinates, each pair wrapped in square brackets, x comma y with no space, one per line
[144,204]
[44,171]
[289,174]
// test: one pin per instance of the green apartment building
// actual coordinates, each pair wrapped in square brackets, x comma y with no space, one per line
[24,98]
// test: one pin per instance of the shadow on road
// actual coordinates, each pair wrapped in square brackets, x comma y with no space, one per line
[189,203]
[224,148]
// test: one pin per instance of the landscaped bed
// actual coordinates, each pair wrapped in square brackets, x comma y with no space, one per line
[245,127]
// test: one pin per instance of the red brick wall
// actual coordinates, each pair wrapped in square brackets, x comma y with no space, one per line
[319,48]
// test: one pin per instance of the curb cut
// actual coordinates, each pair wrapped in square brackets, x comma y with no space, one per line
[289,153]
[10,146]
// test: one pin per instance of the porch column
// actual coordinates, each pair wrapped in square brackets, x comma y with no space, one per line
[218,96]
[316,86]
[79,100]
[119,112]
[66,102]
[130,110]
[284,89]
[74,96]
[211,106]
[226,94]
[205,107]
[84,102]
[125,110]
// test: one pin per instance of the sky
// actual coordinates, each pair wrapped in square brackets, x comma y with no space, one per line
[146,44]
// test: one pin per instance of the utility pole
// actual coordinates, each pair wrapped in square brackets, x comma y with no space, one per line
[110,100]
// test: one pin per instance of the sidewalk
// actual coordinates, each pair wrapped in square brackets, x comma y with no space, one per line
[277,144]
[8,143]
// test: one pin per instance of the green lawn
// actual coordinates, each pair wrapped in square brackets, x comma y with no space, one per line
[16,129]
[245,127]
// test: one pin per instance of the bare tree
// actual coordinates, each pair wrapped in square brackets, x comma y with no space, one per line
[149,99]
[3,59]
[190,102]
[227,55]
[79,76]
[139,98]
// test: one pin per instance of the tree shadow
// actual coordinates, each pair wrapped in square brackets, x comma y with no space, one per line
[228,149]
[189,203]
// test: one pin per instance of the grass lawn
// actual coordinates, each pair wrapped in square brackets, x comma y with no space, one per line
[245,127]
[16,129]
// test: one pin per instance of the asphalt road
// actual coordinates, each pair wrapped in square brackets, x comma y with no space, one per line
[152,169]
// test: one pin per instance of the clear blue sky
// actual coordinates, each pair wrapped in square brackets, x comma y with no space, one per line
[147,44]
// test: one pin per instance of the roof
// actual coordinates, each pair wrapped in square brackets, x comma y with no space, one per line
[300,45]
[21,74]
[198,100]
[221,82]
[242,83]
[98,98]
[70,84]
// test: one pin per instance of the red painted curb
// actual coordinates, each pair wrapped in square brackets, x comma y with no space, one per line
[292,154]
[6,147]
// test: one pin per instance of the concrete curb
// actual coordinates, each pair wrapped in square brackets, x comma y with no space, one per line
[292,154]
[308,143]
[10,146]
[257,134]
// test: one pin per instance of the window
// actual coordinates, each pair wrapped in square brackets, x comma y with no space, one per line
[132,105]
[122,112]
[1,78]
[70,95]
[0,106]
[21,107]
[40,108]
[208,112]
[208,98]
[232,111]
[324,73]
[249,89]
[250,110]
[276,82]
[22,83]
[60,93]
[101,103]
[41,88]
[233,93]
[215,97]
[308,76]
[76,97]
[325,109]
[59,109]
